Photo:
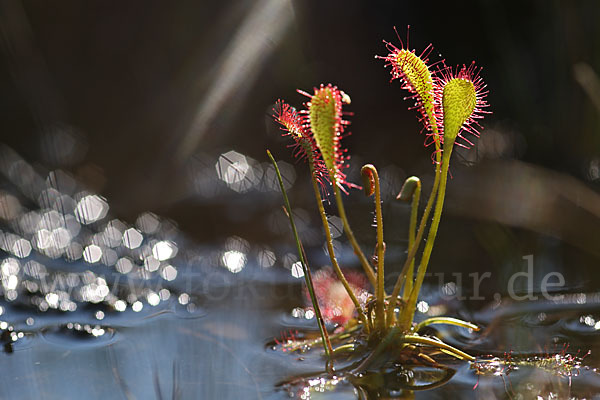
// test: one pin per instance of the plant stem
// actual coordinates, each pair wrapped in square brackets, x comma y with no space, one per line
[330,250]
[447,321]
[380,312]
[412,230]
[307,274]
[391,339]
[345,348]
[350,235]
[437,344]
[409,311]
[373,177]
[412,251]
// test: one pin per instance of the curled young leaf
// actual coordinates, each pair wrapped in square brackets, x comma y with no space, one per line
[408,189]
[368,178]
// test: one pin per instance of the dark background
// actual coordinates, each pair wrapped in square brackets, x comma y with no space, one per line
[130,96]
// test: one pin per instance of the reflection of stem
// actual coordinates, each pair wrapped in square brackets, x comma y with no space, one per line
[409,311]
[449,374]
[307,275]
[330,250]
[381,346]
[342,211]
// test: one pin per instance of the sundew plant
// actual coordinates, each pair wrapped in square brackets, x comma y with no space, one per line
[450,101]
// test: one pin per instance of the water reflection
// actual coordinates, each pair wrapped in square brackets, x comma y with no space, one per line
[169,273]
[91,208]
[132,238]
[240,173]
[234,260]
[92,254]
[265,257]
[62,222]
[236,172]
[86,335]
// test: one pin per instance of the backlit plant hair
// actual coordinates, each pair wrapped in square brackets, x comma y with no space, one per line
[414,73]
[324,120]
[467,80]
[304,147]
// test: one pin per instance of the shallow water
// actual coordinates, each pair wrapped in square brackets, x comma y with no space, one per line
[99,307]
[219,350]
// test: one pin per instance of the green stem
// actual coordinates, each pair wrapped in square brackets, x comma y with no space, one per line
[391,339]
[412,251]
[330,250]
[342,211]
[370,172]
[409,311]
[307,274]
[412,230]
[345,348]
[345,334]
[437,344]
[380,311]
[447,321]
